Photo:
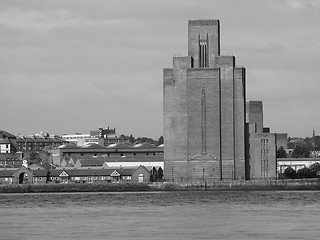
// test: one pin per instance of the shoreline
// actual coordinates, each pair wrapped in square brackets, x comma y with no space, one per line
[241,185]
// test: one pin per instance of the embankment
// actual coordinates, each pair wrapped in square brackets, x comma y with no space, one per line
[252,185]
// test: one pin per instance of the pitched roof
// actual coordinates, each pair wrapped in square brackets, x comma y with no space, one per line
[119,145]
[136,158]
[7,134]
[92,146]
[91,162]
[40,173]
[4,141]
[144,145]
[6,173]
[93,172]
[38,139]
[68,146]
[36,166]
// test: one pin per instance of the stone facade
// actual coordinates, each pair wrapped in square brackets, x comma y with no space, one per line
[204,110]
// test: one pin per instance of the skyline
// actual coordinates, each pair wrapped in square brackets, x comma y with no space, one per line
[75,66]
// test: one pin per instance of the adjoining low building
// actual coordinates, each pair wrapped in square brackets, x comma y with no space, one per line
[295,163]
[262,145]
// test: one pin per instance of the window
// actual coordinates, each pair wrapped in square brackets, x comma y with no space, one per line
[264,158]
[203,53]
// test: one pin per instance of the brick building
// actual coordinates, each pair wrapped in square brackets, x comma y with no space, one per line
[262,144]
[204,110]
[23,175]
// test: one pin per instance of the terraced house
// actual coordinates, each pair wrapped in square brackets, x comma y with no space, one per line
[26,175]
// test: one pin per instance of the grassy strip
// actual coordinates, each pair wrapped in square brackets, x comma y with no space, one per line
[110,187]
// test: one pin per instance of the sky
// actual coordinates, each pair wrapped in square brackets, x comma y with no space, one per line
[71,66]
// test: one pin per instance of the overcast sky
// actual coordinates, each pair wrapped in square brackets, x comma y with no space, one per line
[70,66]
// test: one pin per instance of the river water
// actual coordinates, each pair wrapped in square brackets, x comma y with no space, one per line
[161,215]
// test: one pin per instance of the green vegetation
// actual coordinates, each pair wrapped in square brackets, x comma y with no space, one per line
[281,153]
[110,187]
[303,147]
[311,172]
[132,140]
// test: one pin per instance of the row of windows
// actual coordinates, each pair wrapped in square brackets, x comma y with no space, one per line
[89,178]
[77,137]
[113,154]
[8,159]
[7,146]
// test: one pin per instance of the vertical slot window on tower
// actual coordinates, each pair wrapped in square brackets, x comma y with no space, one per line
[264,158]
[203,54]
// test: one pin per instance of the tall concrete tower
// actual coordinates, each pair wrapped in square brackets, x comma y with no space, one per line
[204,110]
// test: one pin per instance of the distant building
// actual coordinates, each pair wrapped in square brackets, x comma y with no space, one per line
[11,160]
[12,144]
[37,143]
[75,138]
[69,154]
[103,137]
[7,142]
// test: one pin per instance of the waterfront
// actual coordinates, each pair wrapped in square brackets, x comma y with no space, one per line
[161,215]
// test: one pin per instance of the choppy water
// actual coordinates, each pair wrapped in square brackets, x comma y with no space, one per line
[161,215]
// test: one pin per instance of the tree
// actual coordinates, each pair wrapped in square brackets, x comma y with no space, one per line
[290,143]
[281,153]
[34,157]
[300,151]
[304,173]
[132,139]
[160,140]
[289,172]
[314,169]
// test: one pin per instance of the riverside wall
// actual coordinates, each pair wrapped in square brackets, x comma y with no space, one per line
[254,185]
[240,185]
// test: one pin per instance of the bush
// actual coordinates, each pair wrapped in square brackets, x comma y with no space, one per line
[289,172]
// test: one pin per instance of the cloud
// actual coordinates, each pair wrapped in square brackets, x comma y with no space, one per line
[51,19]
[299,4]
